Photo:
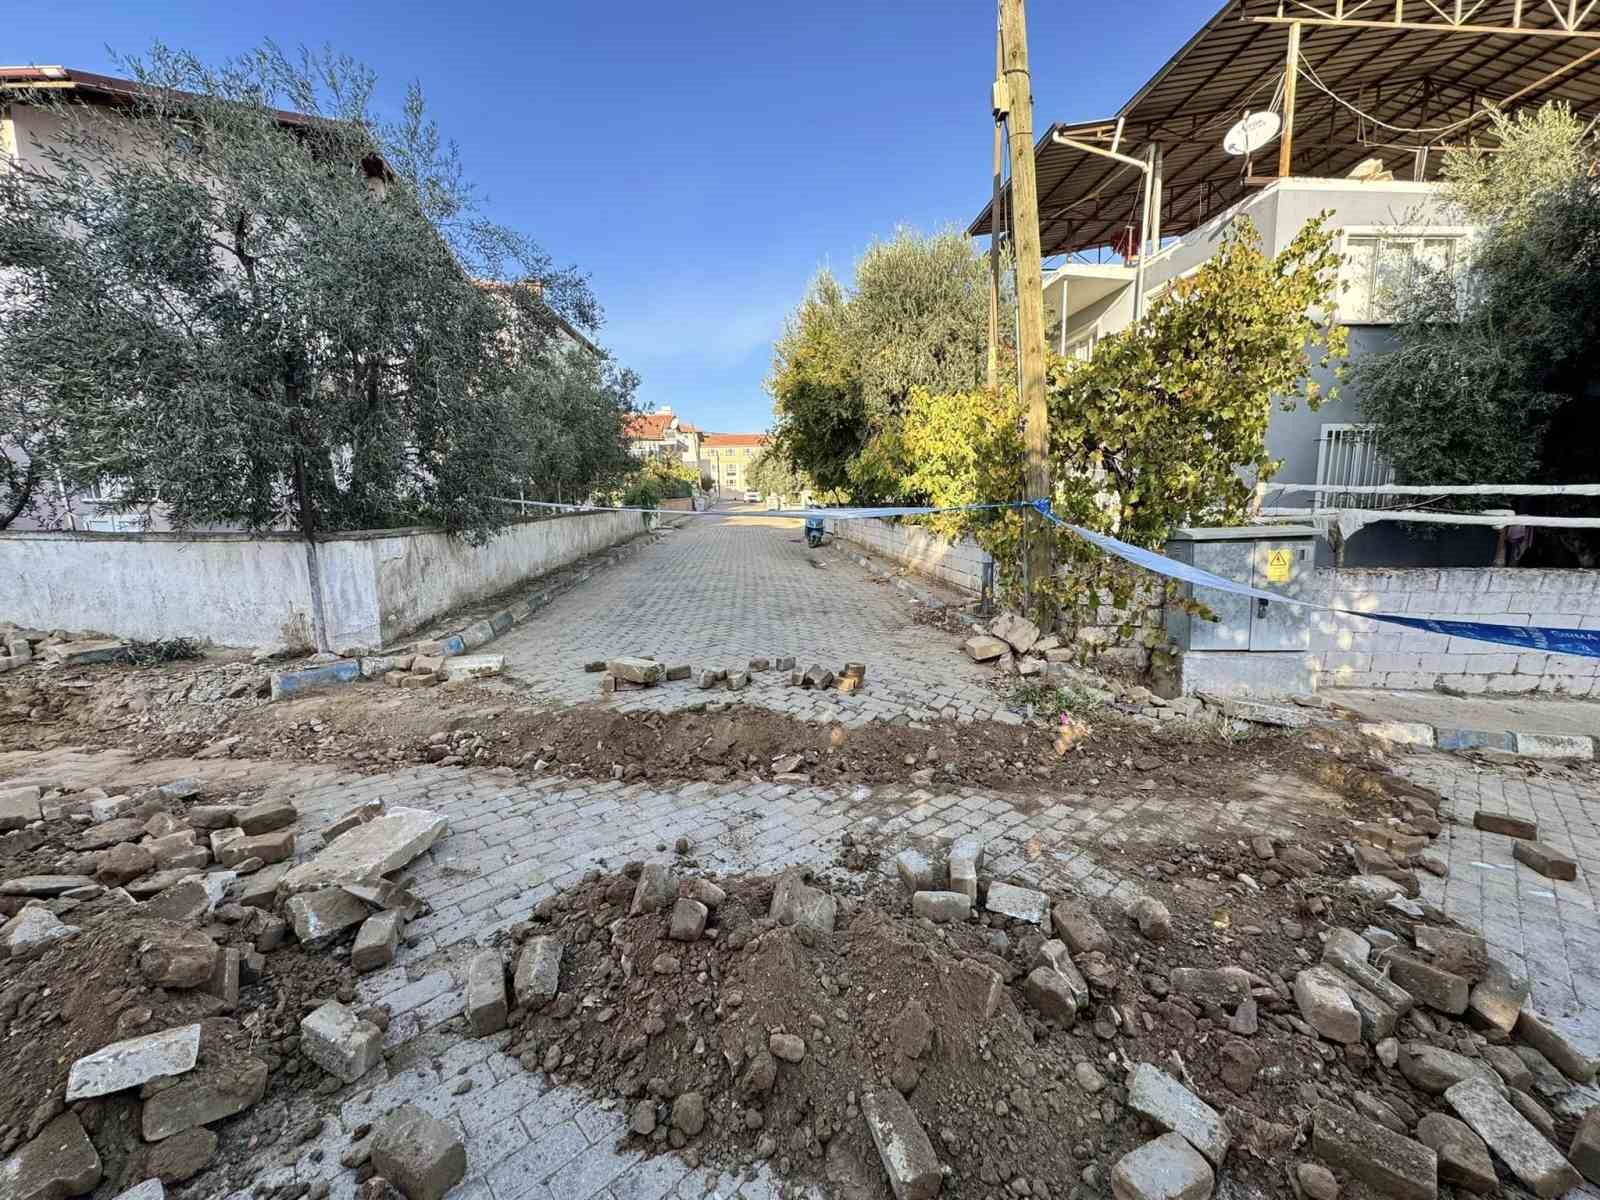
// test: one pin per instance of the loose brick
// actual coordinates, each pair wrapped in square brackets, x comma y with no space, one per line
[1514,827]
[1175,1109]
[1377,1156]
[1516,1143]
[907,1154]
[1545,859]
[486,993]
[1442,990]
[1542,1036]
[1165,1168]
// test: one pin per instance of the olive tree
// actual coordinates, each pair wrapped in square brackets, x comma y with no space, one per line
[247,295]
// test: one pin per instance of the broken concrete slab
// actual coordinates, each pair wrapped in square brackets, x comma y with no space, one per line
[1463,1158]
[31,932]
[1078,927]
[130,1063]
[486,1005]
[203,1096]
[1523,1149]
[1018,903]
[1585,1151]
[273,847]
[421,1155]
[260,890]
[1508,1064]
[1546,860]
[1326,1006]
[376,942]
[19,807]
[1546,1078]
[1378,1017]
[150,1189]
[1016,631]
[1164,1168]
[1496,1002]
[794,902]
[903,1146]
[1175,1109]
[654,891]
[915,871]
[320,917]
[89,650]
[224,981]
[351,817]
[1543,1037]
[368,852]
[1379,1157]
[172,957]
[1453,950]
[265,817]
[537,978]
[1435,1070]
[474,666]
[1438,989]
[941,906]
[984,648]
[60,1161]
[688,920]
[340,1042]
[1054,995]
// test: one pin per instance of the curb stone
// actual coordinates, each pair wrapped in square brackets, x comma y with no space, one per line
[290,683]
[1523,745]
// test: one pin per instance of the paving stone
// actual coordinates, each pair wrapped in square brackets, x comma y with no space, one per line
[260,890]
[1585,1151]
[182,1156]
[1018,903]
[1504,823]
[1435,1069]
[1542,1036]
[212,816]
[154,884]
[486,993]
[376,941]
[1545,859]
[1547,1077]
[1509,1066]
[1523,1149]
[688,920]
[1379,1157]
[266,816]
[1220,985]
[129,1063]
[321,917]
[1378,1017]
[538,974]
[150,1189]
[1165,1168]
[1054,995]
[31,932]
[1497,1001]
[421,1155]
[19,807]
[368,852]
[473,666]
[43,886]
[966,860]
[60,1161]
[340,1042]
[1326,1006]
[1463,1158]
[654,891]
[903,1146]
[637,670]
[1438,989]
[224,981]
[941,906]
[915,871]
[983,648]
[202,1096]
[1175,1109]
[1453,950]
[796,903]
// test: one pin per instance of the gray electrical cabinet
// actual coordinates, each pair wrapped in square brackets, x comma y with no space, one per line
[1274,558]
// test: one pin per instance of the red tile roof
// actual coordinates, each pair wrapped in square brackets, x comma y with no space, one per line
[734,439]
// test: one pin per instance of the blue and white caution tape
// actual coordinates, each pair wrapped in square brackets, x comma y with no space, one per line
[832,514]
[1554,639]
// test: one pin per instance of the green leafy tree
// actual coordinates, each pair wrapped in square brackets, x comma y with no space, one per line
[1164,426]
[571,410]
[1491,376]
[848,362]
[772,475]
[268,320]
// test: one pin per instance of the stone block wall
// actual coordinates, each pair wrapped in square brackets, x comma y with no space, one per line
[1349,651]
[959,564]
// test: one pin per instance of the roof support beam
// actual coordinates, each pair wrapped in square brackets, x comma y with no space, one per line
[1432,27]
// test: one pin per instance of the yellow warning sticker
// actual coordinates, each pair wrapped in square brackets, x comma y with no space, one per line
[1278,565]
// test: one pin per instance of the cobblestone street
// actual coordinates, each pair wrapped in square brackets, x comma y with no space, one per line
[718,592]
[513,840]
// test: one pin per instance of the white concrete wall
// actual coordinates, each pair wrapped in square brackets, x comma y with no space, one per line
[959,564]
[1352,652]
[234,590]
[227,588]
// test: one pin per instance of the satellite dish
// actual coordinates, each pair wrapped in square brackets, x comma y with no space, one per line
[1252,133]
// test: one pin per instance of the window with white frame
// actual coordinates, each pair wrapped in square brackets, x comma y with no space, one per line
[1378,268]
[1082,350]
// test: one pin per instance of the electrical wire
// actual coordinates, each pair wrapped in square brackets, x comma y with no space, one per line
[1308,72]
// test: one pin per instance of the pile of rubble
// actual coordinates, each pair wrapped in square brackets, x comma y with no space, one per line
[635,674]
[167,959]
[426,670]
[57,646]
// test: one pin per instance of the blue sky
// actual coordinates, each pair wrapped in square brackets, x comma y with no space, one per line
[700,161]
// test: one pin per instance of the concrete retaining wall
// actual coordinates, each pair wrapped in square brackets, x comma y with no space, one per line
[959,564]
[232,589]
[1351,652]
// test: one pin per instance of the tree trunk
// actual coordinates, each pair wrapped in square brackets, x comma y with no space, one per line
[30,480]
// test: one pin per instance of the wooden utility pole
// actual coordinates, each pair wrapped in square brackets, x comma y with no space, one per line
[1030,281]
[994,234]
[1291,76]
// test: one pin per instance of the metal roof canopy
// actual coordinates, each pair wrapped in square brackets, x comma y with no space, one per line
[1411,64]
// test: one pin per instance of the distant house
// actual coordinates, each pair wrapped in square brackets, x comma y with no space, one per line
[662,435]
[726,457]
